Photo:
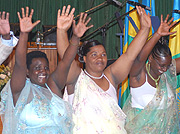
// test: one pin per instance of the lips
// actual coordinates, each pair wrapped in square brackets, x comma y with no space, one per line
[100,63]
[42,77]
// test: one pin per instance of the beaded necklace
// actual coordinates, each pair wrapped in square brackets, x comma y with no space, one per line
[155,80]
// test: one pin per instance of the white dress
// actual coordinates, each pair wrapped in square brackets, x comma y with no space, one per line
[95,111]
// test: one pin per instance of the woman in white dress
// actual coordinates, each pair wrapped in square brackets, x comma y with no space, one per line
[151,107]
[93,91]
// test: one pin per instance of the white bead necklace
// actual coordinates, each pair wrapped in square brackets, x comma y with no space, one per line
[94,76]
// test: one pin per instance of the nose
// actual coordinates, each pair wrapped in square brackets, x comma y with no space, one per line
[43,70]
[100,57]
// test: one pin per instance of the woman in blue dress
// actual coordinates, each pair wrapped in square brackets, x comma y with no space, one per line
[31,101]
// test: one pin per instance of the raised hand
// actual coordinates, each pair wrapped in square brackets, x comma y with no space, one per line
[165,26]
[145,19]
[64,18]
[81,27]
[4,23]
[26,24]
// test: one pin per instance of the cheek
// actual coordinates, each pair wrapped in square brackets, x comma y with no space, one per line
[36,72]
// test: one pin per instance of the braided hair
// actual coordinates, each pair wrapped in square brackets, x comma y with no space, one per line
[160,50]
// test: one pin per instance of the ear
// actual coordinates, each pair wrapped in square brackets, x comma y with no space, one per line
[84,58]
[27,73]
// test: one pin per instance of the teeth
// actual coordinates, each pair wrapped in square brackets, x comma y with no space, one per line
[42,76]
[160,71]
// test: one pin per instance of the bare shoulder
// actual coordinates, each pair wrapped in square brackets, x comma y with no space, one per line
[109,75]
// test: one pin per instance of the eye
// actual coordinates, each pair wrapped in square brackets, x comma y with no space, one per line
[46,68]
[104,54]
[94,54]
[37,68]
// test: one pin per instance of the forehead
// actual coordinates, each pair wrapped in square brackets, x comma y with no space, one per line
[36,61]
[164,60]
[98,48]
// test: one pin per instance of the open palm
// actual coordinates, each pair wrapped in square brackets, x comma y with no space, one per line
[4,24]
[64,19]
[81,27]
[26,24]
[165,26]
[145,19]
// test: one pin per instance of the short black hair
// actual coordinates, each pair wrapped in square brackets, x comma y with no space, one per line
[85,48]
[35,54]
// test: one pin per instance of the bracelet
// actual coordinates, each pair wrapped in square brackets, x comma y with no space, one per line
[73,43]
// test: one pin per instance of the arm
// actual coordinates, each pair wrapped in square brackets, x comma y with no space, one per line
[19,70]
[63,43]
[59,76]
[163,30]
[177,65]
[119,70]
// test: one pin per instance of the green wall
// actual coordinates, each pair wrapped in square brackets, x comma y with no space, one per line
[46,11]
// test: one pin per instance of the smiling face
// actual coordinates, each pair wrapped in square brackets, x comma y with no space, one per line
[96,59]
[160,65]
[160,59]
[39,71]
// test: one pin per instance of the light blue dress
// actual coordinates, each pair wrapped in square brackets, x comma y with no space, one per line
[37,111]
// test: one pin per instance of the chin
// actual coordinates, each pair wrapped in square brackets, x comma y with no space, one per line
[160,73]
[100,69]
[42,84]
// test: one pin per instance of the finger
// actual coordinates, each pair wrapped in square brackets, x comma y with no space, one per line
[59,12]
[161,18]
[166,18]
[72,17]
[87,21]
[35,23]
[170,21]
[23,15]
[67,10]
[19,16]
[173,24]
[138,10]
[84,17]
[90,26]
[3,15]
[81,16]
[72,11]
[27,11]
[63,10]
[143,11]
[74,23]
[31,14]
[7,16]
[170,33]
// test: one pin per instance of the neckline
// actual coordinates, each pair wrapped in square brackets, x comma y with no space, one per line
[97,78]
